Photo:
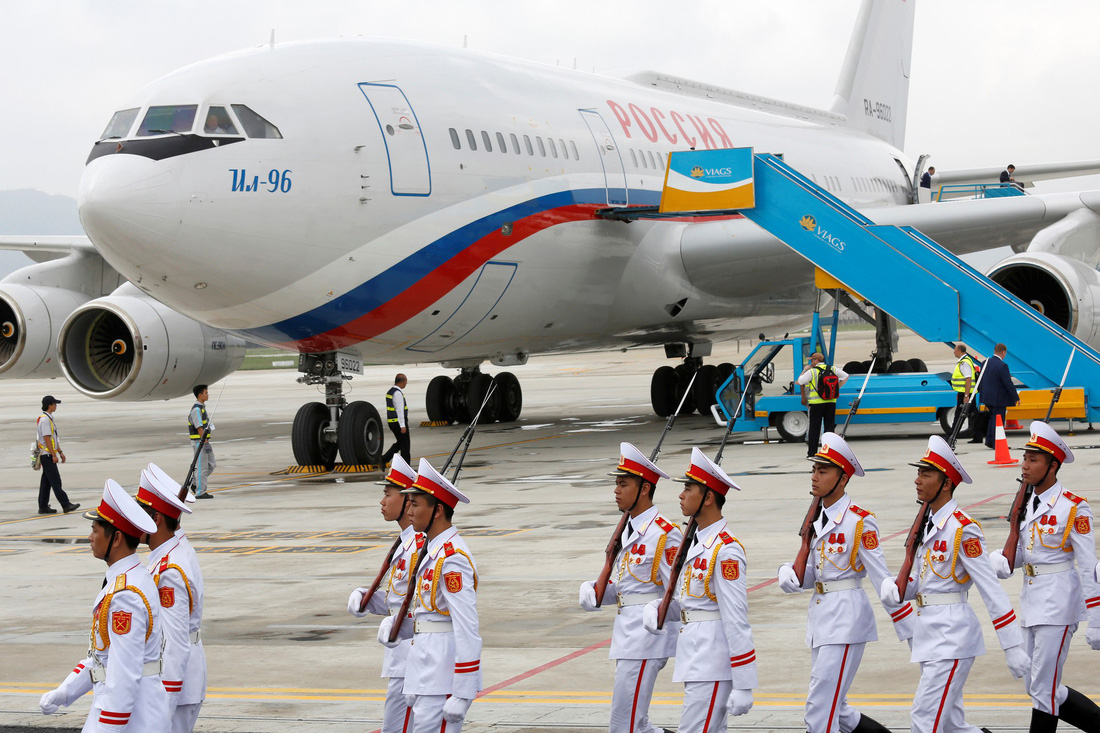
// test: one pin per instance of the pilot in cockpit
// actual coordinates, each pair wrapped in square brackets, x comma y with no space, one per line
[214,125]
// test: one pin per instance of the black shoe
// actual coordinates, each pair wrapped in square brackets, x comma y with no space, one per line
[1080,712]
[205,495]
[975,440]
[869,725]
[71,508]
[1043,722]
[47,510]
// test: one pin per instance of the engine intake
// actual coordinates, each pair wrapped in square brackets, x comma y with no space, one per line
[1065,290]
[30,317]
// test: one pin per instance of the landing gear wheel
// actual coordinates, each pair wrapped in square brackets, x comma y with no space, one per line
[511,397]
[662,391]
[310,441]
[793,426]
[917,365]
[725,369]
[359,434]
[947,422]
[706,384]
[855,367]
[899,367]
[439,401]
[475,395]
[683,374]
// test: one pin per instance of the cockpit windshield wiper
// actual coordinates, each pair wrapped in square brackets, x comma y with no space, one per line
[164,132]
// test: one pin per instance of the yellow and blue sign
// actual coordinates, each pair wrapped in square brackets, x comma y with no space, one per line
[709,180]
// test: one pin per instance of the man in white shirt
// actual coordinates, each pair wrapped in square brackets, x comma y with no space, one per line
[397,417]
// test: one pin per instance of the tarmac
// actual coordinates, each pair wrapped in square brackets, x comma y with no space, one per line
[281,553]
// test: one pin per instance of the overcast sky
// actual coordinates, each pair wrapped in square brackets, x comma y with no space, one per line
[993,81]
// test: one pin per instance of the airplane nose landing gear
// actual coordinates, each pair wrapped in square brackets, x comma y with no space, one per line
[354,430]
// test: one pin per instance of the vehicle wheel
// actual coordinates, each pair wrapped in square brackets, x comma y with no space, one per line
[360,434]
[662,391]
[475,395]
[855,367]
[917,365]
[725,369]
[947,422]
[706,384]
[511,396]
[683,374]
[899,367]
[311,444]
[439,401]
[793,426]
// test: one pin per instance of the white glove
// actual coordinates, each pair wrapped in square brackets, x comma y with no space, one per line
[410,700]
[355,600]
[454,709]
[50,702]
[1096,572]
[588,596]
[649,618]
[1000,564]
[740,702]
[1018,661]
[384,632]
[1092,636]
[888,592]
[788,580]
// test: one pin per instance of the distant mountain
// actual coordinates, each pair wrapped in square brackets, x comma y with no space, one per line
[33,212]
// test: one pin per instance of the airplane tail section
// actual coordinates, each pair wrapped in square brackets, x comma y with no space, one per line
[873,89]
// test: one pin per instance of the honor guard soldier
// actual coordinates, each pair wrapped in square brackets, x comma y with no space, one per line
[845,550]
[395,581]
[123,662]
[175,569]
[443,671]
[947,635]
[712,604]
[1058,554]
[640,574]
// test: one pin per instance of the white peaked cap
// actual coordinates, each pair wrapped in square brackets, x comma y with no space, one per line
[121,511]
[152,491]
[1046,439]
[707,473]
[835,450]
[430,481]
[940,457]
[633,463]
[168,482]
[400,474]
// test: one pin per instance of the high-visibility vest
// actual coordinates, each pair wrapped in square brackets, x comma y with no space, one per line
[191,427]
[958,379]
[815,398]
[391,411]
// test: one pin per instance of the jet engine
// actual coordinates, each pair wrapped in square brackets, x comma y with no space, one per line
[30,319]
[1065,290]
[128,346]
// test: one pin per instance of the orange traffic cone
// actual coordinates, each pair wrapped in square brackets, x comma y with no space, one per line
[1002,457]
[1014,425]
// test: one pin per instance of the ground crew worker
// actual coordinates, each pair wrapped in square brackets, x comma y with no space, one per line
[840,623]
[396,716]
[640,575]
[198,425]
[947,635]
[397,417]
[123,662]
[712,603]
[443,671]
[175,569]
[51,455]
[821,410]
[1058,554]
[963,379]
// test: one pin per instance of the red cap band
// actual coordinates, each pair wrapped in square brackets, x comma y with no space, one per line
[698,475]
[941,464]
[398,478]
[837,459]
[638,469]
[1040,443]
[439,492]
[151,498]
[120,522]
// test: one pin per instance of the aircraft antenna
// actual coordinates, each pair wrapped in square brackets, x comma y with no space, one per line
[272,41]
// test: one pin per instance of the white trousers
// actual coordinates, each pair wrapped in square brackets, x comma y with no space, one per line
[705,707]
[184,717]
[937,707]
[833,667]
[427,716]
[397,715]
[634,680]
[1048,647]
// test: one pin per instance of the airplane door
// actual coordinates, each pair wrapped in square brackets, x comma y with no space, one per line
[410,172]
[614,174]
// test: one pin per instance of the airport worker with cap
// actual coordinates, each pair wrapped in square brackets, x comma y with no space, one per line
[397,714]
[175,569]
[123,663]
[1058,554]
[819,379]
[840,622]
[715,656]
[947,635]
[640,574]
[443,670]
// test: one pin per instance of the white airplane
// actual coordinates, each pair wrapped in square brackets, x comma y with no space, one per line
[393,202]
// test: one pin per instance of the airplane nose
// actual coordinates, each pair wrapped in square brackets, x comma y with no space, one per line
[130,206]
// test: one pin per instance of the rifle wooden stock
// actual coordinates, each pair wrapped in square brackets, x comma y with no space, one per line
[677,566]
[381,574]
[410,591]
[1015,516]
[902,581]
[194,462]
[610,554]
[807,534]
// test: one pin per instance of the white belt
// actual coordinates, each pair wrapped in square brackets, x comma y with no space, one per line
[149,669]
[832,586]
[689,617]
[637,599]
[424,626]
[940,599]
[196,636]
[1048,568]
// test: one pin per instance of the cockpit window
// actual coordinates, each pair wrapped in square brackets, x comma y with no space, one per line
[218,122]
[254,125]
[165,120]
[120,124]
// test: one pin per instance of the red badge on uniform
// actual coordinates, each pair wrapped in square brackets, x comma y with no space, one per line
[167,597]
[870,540]
[1082,525]
[972,547]
[670,554]
[453,581]
[730,570]
[120,622]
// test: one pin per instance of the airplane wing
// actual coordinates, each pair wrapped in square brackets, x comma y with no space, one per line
[56,244]
[1024,174]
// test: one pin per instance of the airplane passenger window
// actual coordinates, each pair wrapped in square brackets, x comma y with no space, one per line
[500,143]
[218,122]
[527,144]
[254,125]
[553,147]
[564,150]
[574,146]
[515,142]
[633,157]
[471,139]
[454,139]
[167,119]
[120,124]
[542,148]
[485,139]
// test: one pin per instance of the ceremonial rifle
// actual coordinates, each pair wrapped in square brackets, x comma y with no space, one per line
[194,461]
[965,409]
[466,438]
[616,542]
[1023,494]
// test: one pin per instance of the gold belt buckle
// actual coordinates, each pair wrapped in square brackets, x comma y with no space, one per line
[619,601]
[1029,569]
[683,616]
[819,587]
[920,600]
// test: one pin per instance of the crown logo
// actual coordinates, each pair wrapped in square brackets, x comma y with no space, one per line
[808,223]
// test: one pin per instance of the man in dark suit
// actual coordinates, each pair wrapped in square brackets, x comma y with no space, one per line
[996,390]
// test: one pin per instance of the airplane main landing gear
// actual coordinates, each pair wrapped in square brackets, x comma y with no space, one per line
[321,430]
[668,385]
[458,400]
